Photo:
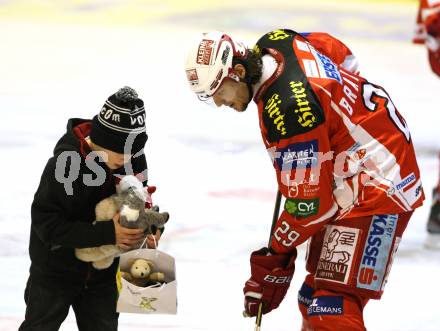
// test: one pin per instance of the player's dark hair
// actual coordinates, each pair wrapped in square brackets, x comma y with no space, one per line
[253,65]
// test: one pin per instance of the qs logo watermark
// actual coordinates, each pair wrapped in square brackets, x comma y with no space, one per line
[68,166]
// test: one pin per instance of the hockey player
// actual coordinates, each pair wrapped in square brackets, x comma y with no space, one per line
[344,162]
[84,170]
[428,33]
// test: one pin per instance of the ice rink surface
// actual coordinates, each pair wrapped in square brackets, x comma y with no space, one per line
[213,174]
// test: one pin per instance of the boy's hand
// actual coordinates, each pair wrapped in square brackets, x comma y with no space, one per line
[125,237]
[153,242]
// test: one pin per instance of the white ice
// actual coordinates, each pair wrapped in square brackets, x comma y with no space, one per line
[211,169]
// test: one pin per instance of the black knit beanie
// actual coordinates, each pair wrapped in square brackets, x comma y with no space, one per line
[120,125]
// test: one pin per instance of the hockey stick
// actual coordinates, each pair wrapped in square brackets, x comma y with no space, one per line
[276,213]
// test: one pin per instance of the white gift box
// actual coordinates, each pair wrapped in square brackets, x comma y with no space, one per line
[155,299]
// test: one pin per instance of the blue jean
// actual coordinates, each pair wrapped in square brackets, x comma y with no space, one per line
[47,306]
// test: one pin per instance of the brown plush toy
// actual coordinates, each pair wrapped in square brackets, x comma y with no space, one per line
[140,273]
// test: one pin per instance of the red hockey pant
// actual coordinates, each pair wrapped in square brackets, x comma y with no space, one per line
[348,264]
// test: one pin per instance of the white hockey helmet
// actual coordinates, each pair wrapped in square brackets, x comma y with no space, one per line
[209,62]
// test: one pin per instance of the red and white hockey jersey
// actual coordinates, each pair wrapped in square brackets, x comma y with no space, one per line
[338,144]
[428,31]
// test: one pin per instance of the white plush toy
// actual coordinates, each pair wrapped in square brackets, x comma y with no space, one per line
[129,200]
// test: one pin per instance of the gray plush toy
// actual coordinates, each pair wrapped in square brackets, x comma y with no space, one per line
[130,202]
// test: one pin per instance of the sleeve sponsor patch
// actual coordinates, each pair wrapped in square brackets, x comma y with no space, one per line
[298,155]
[302,207]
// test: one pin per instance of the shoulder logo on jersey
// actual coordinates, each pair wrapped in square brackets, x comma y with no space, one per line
[277,39]
[278,35]
[272,109]
[337,253]
[321,66]
[376,252]
[290,111]
[298,155]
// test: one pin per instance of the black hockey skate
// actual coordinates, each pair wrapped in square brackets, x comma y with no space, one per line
[434,216]
[433,226]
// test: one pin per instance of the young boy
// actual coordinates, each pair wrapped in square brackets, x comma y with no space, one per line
[86,165]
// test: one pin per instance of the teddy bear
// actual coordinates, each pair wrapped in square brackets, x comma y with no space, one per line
[141,273]
[129,201]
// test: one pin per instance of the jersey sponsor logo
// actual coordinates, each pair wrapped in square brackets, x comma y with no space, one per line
[289,106]
[302,207]
[272,108]
[302,46]
[360,154]
[310,190]
[311,68]
[278,35]
[413,193]
[376,252]
[337,253]
[309,186]
[406,181]
[306,117]
[205,51]
[326,305]
[418,190]
[326,67]
[298,155]
[354,147]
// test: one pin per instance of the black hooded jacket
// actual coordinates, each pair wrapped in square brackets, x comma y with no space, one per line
[63,211]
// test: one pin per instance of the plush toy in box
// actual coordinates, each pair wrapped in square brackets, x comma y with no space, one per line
[140,273]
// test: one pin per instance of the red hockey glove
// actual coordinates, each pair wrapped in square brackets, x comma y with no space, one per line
[269,282]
